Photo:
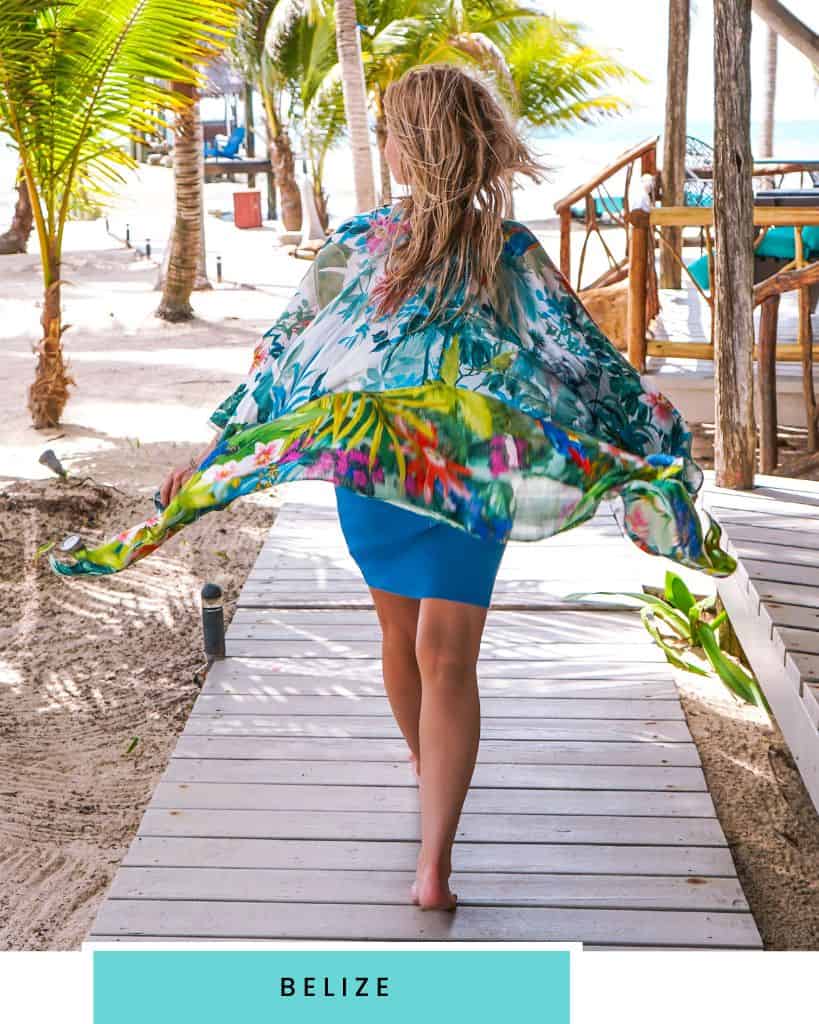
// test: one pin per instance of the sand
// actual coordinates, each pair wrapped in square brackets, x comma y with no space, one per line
[87,667]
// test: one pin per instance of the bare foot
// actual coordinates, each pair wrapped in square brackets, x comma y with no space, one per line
[430,890]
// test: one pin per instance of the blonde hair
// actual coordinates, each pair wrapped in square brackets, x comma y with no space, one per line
[458,152]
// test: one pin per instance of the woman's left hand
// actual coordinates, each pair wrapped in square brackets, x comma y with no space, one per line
[173,483]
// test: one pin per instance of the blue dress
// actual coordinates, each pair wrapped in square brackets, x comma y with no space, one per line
[414,555]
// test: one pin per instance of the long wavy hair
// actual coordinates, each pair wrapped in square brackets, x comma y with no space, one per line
[458,152]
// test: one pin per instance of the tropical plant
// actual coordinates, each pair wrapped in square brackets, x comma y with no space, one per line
[186,242]
[686,632]
[75,80]
[355,101]
[539,63]
[250,55]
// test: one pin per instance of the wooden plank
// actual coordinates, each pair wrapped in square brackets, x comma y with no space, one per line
[803,575]
[787,593]
[631,653]
[544,752]
[502,627]
[499,679]
[264,796]
[779,554]
[802,641]
[624,892]
[233,920]
[383,727]
[634,654]
[769,538]
[520,858]
[402,826]
[491,707]
[788,616]
[399,773]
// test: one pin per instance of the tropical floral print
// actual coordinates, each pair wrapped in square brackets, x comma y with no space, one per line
[510,420]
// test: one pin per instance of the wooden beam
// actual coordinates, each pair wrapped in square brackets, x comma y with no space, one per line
[787,281]
[763,216]
[777,16]
[768,451]
[637,287]
[704,350]
[735,440]
[566,243]
[621,161]
[673,175]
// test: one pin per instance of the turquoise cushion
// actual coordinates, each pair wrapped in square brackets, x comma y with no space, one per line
[602,207]
[699,271]
[779,243]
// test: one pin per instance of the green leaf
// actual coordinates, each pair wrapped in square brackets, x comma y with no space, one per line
[132,744]
[732,675]
[677,622]
[677,593]
[672,656]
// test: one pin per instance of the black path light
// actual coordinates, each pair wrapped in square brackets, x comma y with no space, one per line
[213,622]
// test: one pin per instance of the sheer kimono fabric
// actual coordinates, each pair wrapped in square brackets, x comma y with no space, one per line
[509,421]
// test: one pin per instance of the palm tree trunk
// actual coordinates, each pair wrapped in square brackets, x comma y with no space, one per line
[48,394]
[284,170]
[384,167]
[733,255]
[16,238]
[769,119]
[679,23]
[186,239]
[355,102]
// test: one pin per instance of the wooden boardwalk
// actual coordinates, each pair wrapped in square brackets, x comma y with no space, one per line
[289,809]
[773,601]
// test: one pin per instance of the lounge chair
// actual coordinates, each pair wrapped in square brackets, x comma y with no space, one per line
[230,150]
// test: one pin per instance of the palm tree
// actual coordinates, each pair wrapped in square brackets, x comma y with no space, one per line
[766,140]
[355,101]
[15,240]
[256,19]
[538,62]
[186,241]
[75,80]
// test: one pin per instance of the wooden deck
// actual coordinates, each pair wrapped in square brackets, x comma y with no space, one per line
[773,601]
[289,809]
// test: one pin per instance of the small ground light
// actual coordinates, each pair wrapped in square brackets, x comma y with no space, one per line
[147,248]
[219,269]
[128,235]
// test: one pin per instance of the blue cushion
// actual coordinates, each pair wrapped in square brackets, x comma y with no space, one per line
[779,243]
[699,271]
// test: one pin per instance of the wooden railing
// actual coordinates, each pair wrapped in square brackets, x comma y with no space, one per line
[795,276]
[643,225]
[646,153]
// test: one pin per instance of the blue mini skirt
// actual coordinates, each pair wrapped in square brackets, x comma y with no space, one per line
[407,553]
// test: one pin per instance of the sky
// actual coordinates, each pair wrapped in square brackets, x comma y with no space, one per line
[639,30]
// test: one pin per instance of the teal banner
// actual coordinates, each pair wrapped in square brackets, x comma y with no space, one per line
[396,986]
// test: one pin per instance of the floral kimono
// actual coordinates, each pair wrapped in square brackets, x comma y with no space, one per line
[510,420]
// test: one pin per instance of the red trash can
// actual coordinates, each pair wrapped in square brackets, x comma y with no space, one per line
[247,209]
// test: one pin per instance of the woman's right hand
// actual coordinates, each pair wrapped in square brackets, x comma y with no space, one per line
[173,483]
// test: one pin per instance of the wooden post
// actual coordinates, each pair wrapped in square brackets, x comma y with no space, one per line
[735,439]
[250,135]
[637,290]
[805,338]
[566,244]
[679,21]
[768,449]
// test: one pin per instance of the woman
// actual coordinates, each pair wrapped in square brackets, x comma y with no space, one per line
[442,374]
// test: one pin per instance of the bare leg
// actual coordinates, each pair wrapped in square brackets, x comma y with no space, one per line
[398,617]
[447,646]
